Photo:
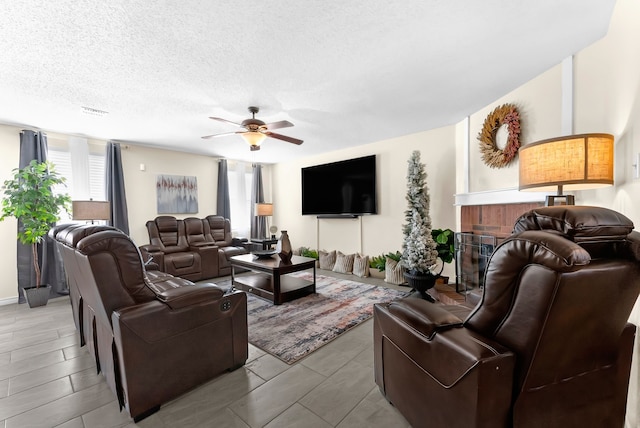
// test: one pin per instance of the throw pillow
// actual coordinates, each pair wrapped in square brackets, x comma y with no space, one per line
[327,259]
[361,265]
[344,263]
[393,272]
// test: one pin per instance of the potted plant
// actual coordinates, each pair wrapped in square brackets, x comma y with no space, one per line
[378,264]
[445,246]
[419,249]
[29,197]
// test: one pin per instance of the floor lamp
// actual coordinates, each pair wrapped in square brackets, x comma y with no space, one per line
[573,162]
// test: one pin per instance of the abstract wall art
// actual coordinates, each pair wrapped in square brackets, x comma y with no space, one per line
[177,194]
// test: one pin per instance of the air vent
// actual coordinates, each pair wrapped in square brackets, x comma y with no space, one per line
[94,111]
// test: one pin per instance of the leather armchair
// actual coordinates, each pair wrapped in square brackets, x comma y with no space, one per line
[153,336]
[548,345]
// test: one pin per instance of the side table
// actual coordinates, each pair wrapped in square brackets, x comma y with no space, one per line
[265,242]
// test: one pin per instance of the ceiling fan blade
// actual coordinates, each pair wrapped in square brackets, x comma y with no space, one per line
[224,134]
[284,138]
[219,119]
[280,124]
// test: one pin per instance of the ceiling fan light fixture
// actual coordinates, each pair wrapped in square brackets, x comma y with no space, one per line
[253,138]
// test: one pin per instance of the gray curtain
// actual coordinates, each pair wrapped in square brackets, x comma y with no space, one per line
[223,206]
[258,224]
[33,145]
[114,179]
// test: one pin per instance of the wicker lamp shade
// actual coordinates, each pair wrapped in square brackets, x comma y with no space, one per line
[91,210]
[574,162]
[264,209]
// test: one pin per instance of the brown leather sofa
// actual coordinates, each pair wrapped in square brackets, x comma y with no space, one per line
[192,248]
[152,335]
[548,345]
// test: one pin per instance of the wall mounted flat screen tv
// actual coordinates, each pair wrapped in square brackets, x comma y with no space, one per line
[344,188]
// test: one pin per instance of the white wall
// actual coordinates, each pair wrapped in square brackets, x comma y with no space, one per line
[10,149]
[606,99]
[141,185]
[380,233]
[538,103]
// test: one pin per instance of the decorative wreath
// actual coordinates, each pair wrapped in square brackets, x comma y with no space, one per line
[506,114]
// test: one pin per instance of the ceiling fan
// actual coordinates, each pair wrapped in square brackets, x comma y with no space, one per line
[255,130]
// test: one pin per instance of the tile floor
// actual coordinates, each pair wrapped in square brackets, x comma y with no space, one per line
[47,380]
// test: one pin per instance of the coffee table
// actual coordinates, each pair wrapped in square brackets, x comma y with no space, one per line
[269,277]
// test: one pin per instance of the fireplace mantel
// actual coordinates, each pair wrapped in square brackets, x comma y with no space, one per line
[501,196]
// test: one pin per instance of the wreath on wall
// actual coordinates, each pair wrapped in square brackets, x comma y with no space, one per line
[506,114]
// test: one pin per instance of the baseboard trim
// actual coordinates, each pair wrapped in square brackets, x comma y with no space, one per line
[8,301]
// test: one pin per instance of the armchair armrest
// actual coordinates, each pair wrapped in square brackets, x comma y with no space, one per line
[156,321]
[152,256]
[424,316]
[150,248]
[178,298]
[427,336]
[239,242]
[162,352]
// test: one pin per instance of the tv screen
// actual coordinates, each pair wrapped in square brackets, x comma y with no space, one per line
[344,188]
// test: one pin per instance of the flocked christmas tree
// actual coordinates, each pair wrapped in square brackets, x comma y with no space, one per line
[419,253]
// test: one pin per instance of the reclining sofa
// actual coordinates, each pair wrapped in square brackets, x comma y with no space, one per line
[152,335]
[192,248]
[548,345]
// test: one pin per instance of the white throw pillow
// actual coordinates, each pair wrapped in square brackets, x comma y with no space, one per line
[327,259]
[361,265]
[344,263]
[393,272]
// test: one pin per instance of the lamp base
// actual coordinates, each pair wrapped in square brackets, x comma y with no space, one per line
[552,200]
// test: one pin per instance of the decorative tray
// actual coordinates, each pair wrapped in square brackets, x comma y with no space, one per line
[263,254]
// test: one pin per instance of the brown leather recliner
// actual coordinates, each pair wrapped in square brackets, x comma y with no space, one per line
[548,345]
[192,248]
[220,234]
[152,335]
[170,249]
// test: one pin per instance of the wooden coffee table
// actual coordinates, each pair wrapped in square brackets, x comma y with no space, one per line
[269,277]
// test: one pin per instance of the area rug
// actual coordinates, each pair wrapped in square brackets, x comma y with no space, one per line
[294,329]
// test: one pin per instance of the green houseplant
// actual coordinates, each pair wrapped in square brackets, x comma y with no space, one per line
[29,197]
[445,246]
[419,249]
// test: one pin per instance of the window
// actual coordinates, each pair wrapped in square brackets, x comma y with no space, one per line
[240,178]
[84,171]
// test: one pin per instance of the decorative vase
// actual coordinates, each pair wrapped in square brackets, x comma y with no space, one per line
[421,283]
[37,296]
[283,247]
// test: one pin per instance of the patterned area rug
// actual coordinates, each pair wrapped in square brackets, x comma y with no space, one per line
[293,330]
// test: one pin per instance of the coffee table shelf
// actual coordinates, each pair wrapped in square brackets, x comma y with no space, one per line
[270,277]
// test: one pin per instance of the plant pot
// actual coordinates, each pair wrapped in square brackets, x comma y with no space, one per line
[442,280]
[37,296]
[421,283]
[376,273]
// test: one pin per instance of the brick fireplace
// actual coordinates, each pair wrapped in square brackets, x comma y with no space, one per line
[482,228]
[495,220]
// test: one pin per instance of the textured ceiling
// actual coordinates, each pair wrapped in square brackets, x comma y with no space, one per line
[345,73]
